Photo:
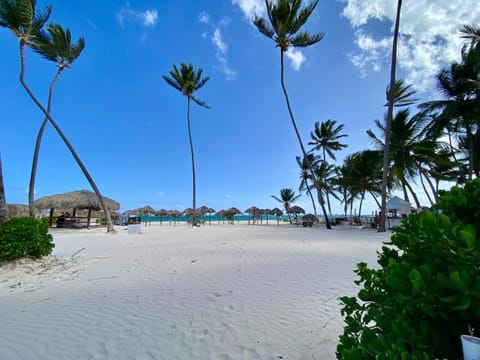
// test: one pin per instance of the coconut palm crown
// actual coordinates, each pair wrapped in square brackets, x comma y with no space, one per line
[285,20]
[55,44]
[187,81]
[23,19]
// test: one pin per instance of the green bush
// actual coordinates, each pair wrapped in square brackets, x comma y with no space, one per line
[426,292]
[24,236]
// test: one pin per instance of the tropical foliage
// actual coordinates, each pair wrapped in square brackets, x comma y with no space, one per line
[425,291]
[24,236]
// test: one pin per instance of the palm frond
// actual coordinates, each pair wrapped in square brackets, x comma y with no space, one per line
[200,102]
[262,26]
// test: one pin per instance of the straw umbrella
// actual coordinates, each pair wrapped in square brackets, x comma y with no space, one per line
[80,199]
[175,214]
[295,210]
[230,213]
[254,212]
[278,212]
[161,213]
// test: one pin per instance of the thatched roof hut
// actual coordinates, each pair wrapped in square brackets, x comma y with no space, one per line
[80,199]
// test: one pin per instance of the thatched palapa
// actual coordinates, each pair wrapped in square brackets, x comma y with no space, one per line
[80,199]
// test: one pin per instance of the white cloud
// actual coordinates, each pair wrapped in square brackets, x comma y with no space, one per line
[228,196]
[147,18]
[296,57]
[252,8]
[161,193]
[218,42]
[429,37]
[204,17]
[221,49]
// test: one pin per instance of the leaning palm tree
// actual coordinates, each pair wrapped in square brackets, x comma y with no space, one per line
[187,80]
[54,45]
[305,177]
[390,99]
[26,23]
[3,201]
[287,197]
[285,19]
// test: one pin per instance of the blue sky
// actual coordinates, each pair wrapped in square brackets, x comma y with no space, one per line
[129,126]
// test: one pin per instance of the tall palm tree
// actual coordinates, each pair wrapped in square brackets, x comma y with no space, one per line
[187,80]
[386,151]
[326,138]
[287,197]
[54,45]
[26,23]
[285,19]
[305,177]
[3,201]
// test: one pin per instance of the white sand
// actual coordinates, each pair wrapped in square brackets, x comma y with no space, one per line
[173,292]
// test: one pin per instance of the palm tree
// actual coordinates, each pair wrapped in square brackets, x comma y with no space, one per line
[459,112]
[54,45]
[187,80]
[326,137]
[324,174]
[389,118]
[410,151]
[26,23]
[364,174]
[3,201]
[287,197]
[402,94]
[285,19]
[305,177]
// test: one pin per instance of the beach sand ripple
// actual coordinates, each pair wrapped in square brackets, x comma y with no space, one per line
[215,292]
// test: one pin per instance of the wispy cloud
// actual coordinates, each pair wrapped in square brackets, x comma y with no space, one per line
[204,17]
[221,47]
[252,8]
[147,18]
[429,37]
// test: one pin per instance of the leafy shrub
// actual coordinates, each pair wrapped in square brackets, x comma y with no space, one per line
[426,291]
[24,236]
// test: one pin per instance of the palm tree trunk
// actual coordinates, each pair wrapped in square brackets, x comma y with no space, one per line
[421,175]
[64,138]
[470,144]
[313,201]
[33,173]
[194,212]
[3,200]
[304,153]
[376,200]
[415,197]
[388,127]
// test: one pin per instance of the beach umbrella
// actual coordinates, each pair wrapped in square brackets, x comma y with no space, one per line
[175,214]
[146,210]
[309,219]
[230,213]
[255,212]
[278,212]
[79,199]
[296,210]
[161,213]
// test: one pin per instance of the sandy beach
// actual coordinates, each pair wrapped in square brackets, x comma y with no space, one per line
[176,292]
